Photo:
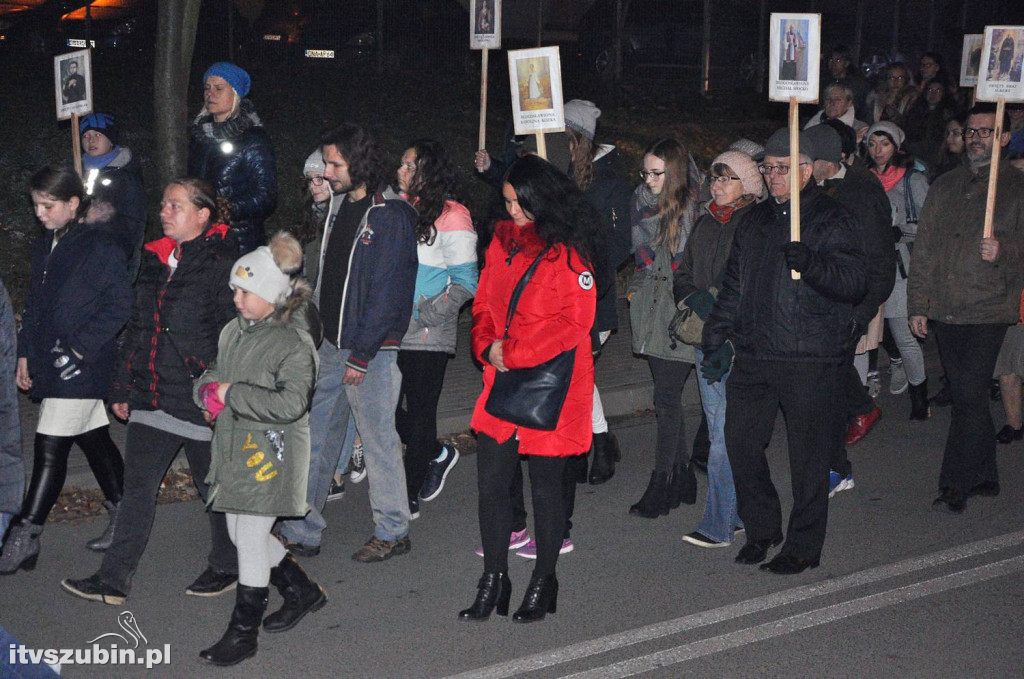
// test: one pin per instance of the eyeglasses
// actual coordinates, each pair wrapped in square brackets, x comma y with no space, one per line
[983,132]
[711,179]
[781,170]
[644,174]
[955,132]
[315,181]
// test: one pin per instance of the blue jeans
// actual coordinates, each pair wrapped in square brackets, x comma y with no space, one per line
[373,405]
[346,448]
[720,518]
[5,521]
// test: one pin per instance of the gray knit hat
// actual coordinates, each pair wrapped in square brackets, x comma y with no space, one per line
[889,128]
[315,163]
[582,116]
[744,145]
[745,168]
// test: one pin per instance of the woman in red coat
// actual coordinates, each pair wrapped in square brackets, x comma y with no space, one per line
[554,314]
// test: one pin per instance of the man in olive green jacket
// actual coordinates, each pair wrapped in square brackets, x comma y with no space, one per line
[969,287]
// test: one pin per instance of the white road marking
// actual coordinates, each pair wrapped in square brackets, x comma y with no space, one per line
[531,663]
[802,621]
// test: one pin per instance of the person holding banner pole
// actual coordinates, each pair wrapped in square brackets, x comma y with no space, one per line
[785,341]
[966,288]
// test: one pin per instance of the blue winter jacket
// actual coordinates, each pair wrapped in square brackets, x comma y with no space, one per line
[78,299]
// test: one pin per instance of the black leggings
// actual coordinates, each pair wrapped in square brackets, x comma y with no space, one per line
[422,379]
[50,467]
[496,464]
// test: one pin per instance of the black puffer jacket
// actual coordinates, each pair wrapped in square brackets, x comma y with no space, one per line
[175,324]
[237,158]
[769,316]
[120,184]
[78,299]
[609,193]
[862,194]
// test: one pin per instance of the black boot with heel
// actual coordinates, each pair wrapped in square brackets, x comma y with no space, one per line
[493,592]
[240,641]
[541,598]
[919,409]
[655,501]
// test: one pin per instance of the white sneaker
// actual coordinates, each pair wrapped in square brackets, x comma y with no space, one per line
[874,384]
[898,381]
[358,472]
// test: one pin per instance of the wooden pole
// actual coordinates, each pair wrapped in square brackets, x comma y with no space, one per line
[542,146]
[794,175]
[993,171]
[76,144]
[482,137]
[705,54]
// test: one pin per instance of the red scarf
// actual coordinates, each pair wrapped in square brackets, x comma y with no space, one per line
[723,213]
[891,177]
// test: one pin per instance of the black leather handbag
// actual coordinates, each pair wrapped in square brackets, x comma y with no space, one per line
[531,397]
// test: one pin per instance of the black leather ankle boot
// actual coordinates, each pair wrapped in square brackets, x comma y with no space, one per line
[239,642]
[655,501]
[541,598]
[493,591]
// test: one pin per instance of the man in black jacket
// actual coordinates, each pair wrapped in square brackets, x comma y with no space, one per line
[789,338]
[862,194]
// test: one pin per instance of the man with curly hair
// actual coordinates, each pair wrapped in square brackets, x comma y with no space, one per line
[364,291]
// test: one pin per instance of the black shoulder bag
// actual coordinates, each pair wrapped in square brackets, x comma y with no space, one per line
[531,397]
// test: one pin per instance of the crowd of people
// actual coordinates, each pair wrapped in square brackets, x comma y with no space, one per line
[281,364]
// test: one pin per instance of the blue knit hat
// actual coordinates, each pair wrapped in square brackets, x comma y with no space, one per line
[102,123]
[236,77]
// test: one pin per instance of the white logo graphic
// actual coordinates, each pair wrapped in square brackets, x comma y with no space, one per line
[586,280]
[126,620]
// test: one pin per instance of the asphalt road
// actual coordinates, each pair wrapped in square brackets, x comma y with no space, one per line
[902,591]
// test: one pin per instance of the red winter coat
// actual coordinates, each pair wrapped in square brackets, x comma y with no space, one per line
[555,313]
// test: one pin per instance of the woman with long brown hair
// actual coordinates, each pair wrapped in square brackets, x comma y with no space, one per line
[664,209]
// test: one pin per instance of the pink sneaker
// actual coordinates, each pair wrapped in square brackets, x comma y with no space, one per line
[517,540]
[530,550]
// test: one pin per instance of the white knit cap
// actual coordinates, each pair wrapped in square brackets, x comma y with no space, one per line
[745,168]
[258,273]
[888,127]
[315,163]
[582,115]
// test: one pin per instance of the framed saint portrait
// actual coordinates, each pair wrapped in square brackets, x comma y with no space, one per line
[794,62]
[535,78]
[72,76]
[485,24]
[970,60]
[1002,60]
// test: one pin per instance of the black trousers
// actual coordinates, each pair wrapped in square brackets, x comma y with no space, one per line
[807,394]
[969,355]
[496,465]
[858,402]
[569,476]
[148,454]
[422,379]
[669,379]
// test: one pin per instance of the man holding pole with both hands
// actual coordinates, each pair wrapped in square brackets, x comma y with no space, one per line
[969,287]
[788,339]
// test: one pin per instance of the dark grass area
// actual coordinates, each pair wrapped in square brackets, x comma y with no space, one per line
[298,99]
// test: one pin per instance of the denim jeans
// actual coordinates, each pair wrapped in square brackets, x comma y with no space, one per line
[346,448]
[5,521]
[720,518]
[373,404]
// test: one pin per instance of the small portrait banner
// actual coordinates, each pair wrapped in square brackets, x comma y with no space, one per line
[970,60]
[535,76]
[794,57]
[1002,59]
[485,24]
[72,77]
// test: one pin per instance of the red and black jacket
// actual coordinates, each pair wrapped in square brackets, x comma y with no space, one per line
[175,324]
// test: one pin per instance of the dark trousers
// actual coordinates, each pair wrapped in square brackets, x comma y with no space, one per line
[422,379]
[148,454]
[496,465]
[858,402]
[807,394]
[968,355]
[669,379]
[569,476]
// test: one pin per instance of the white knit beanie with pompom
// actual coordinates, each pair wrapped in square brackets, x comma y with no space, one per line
[267,271]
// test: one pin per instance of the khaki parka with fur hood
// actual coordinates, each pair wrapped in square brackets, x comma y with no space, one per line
[260,452]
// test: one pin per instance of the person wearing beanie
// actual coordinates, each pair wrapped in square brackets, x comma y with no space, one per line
[263,378]
[736,185]
[113,177]
[316,209]
[229,148]
[744,145]
[581,116]
[862,194]
[780,341]
[906,186]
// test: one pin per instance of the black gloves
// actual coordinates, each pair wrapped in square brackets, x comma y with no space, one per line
[717,363]
[897,234]
[798,256]
[701,302]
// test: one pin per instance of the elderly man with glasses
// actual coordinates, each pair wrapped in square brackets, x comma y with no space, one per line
[789,339]
[839,106]
[969,288]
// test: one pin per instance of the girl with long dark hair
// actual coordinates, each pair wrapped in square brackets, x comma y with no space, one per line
[550,219]
[78,299]
[446,279]
[664,209]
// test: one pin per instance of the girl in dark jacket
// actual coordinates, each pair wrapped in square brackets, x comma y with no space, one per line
[555,314]
[229,148]
[182,300]
[79,298]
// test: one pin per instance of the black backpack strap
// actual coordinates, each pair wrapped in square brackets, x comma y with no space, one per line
[518,291]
